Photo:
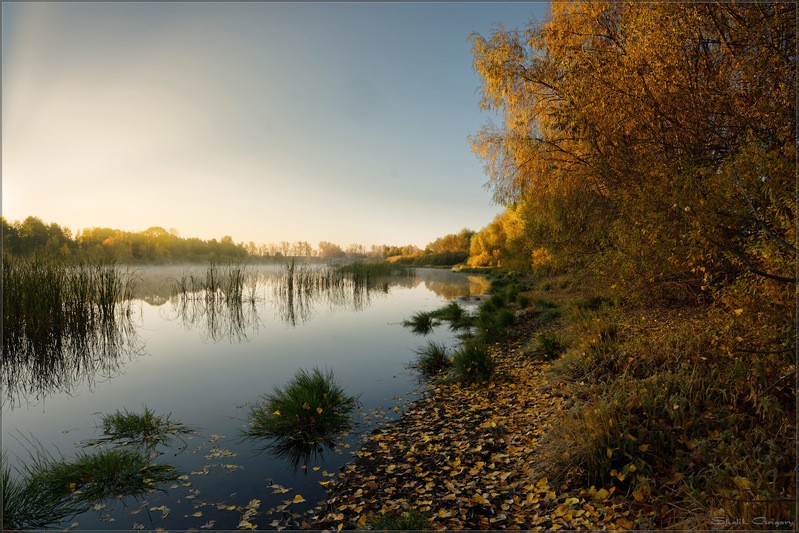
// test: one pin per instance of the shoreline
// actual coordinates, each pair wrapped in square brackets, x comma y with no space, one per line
[464,457]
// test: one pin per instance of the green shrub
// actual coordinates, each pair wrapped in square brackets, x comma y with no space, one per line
[473,362]
[432,359]
[312,407]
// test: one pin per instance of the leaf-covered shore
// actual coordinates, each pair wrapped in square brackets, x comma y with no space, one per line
[464,456]
[628,427]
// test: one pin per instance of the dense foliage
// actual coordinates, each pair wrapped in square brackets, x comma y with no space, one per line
[153,245]
[649,149]
[655,142]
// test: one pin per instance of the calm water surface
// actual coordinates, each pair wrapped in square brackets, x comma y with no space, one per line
[205,368]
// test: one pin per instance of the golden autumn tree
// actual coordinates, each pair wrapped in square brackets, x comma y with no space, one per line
[672,127]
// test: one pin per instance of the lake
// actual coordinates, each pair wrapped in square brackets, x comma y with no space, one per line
[204,366]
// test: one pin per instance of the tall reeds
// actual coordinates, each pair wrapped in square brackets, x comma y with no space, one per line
[216,297]
[62,321]
[300,287]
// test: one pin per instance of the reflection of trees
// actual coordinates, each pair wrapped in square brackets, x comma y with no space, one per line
[451,285]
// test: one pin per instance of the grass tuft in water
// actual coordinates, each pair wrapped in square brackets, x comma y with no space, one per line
[145,428]
[312,407]
[454,314]
[432,359]
[26,506]
[101,475]
[421,323]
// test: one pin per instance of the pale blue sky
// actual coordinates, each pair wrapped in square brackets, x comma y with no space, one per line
[344,122]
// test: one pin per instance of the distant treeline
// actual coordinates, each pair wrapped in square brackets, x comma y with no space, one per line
[153,245]
[33,236]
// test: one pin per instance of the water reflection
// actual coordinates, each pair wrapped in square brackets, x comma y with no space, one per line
[217,320]
[63,326]
[76,342]
[294,453]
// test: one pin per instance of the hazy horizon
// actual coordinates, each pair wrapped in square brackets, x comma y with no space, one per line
[343,122]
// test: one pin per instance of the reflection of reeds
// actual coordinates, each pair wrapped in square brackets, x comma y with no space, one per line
[216,284]
[62,322]
[223,300]
[300,288]
[216,298]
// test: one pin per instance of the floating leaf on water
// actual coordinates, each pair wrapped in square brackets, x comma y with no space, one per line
[164,510]
[297,499]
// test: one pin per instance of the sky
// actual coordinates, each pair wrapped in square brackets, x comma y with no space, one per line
[342,122]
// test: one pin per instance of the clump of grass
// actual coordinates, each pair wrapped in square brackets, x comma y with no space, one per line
[310,408]
[454,314]
[100,475]
[473,362]
[407,521]
[523,300]
[145,428]
[546,345]
[595,303]
[421,323]
[497,299]
[492,321]
[26,506]
[432,359]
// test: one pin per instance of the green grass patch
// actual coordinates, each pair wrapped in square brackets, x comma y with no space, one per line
[492,322]
[100,475]
[522,300]
[473,363]
[546,345]
[144,428]
[455,315]
[312,407]
[432,359]
[421,323]
[27,506]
